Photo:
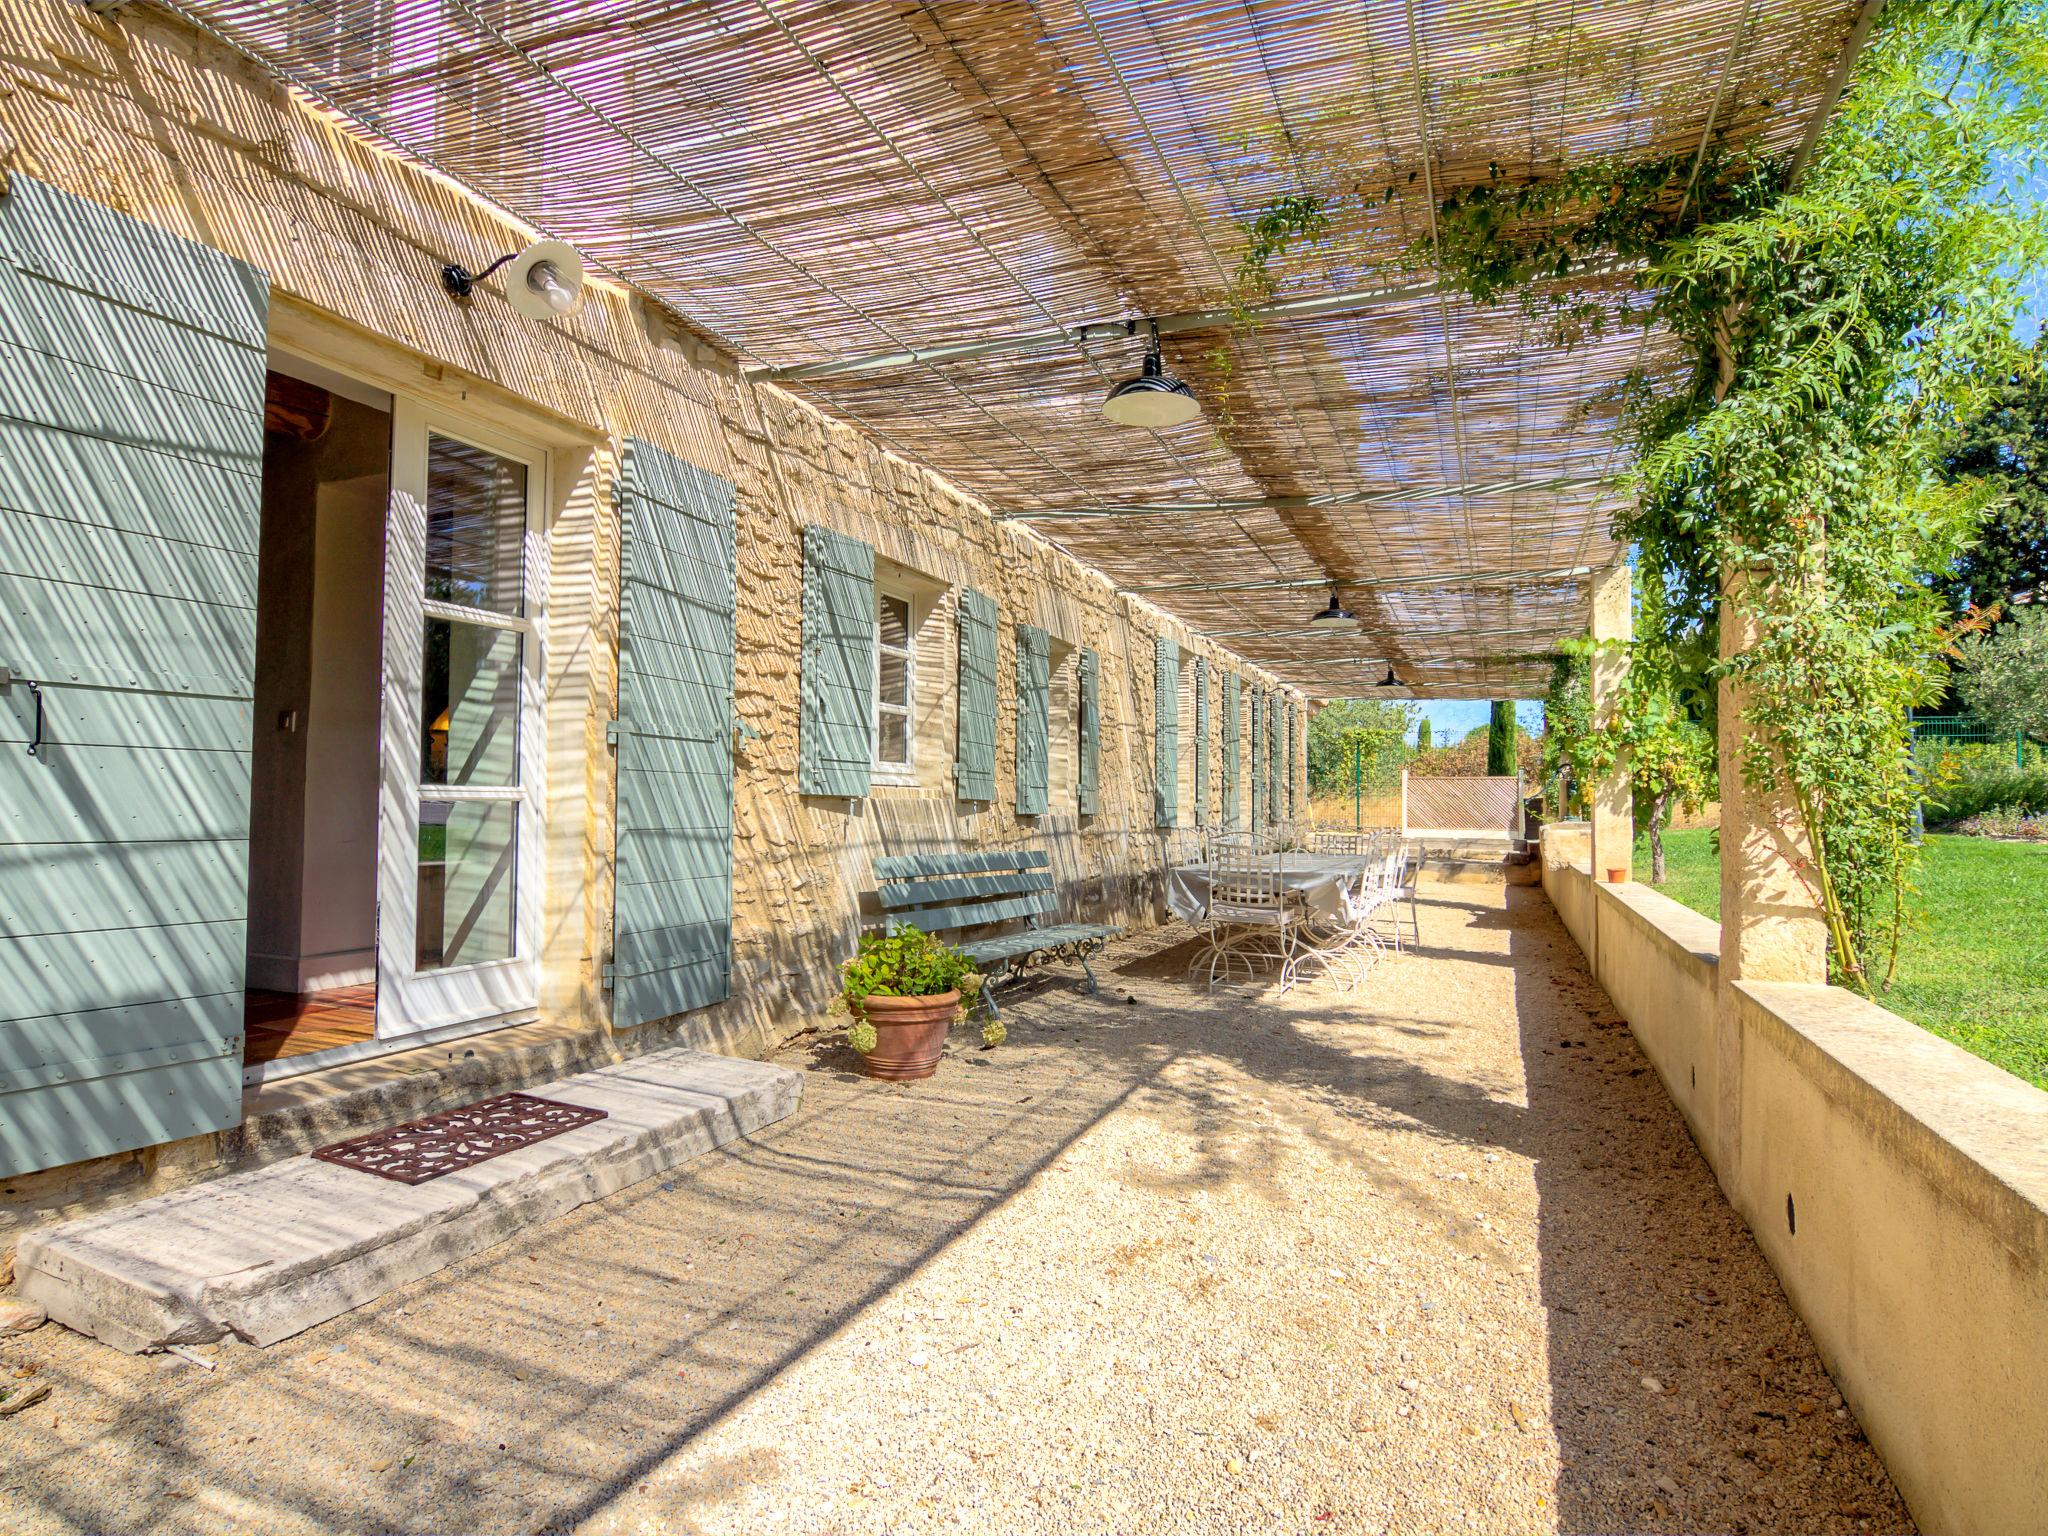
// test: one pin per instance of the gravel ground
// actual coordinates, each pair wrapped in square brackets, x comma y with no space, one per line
[1439,1257]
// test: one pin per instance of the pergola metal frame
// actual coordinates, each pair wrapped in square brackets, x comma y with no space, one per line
[973,178]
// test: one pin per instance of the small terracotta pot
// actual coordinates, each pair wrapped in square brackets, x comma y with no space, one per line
[1617,876]
[910,1033]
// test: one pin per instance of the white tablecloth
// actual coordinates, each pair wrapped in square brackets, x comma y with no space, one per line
[1319,877]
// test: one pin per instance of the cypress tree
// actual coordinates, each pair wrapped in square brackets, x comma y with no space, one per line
[1500,739]
[1422,735]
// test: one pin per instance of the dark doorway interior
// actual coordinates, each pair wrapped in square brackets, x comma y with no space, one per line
[314,772]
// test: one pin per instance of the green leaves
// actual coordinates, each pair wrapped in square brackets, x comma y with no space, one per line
[1835,334]
[906,963]
[2004,675]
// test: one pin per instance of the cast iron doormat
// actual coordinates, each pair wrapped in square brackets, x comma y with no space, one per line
[426,1148]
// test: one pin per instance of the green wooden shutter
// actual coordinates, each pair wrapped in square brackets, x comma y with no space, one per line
[131,460]
[1258,756]
[1089,776]
[1201,741]
[974,765]
[1292,803]
[1233,747]
[672,918]
[1166,732]
[1297,754]
[835,740]
[1034,691]
[1276,773]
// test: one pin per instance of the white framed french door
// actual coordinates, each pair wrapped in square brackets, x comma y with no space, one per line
[459,837]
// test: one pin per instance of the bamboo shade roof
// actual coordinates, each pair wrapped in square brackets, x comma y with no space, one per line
[811,181]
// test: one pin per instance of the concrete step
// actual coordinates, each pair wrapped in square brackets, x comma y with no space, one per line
[269,1253]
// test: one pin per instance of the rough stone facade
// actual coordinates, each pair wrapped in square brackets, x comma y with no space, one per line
[146,115]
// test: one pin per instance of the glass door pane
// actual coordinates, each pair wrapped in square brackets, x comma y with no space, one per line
[459,917]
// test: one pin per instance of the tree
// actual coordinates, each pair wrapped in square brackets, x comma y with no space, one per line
[2006,446]
[2004,675]
[1368,737]
[1568,728]
[1422,736]
[1500,739]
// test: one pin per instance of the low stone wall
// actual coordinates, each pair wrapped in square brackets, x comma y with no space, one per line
[1898,1185]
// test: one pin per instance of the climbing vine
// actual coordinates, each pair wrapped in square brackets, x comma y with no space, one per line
[1832,330]
[1269,233]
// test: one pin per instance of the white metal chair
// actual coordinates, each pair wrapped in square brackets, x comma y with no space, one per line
[1349,947]
[1250,907]
[1350,844]
[1406,869]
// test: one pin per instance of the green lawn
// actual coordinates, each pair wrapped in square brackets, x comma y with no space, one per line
[1974,968]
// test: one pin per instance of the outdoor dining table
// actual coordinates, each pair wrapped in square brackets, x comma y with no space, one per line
[1319,878]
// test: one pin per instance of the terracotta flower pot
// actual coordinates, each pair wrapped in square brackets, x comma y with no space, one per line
[1617,876]
[910,1033]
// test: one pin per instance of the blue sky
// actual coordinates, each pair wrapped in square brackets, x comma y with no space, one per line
[1450,719]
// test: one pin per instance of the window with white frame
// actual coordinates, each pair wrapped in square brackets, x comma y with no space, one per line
[895,686]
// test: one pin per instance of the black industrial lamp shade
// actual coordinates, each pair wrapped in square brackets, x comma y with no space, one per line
[1391,681]
[1154,399]
[1336,616]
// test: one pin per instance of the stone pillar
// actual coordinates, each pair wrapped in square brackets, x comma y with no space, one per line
[1610,800]
[1771,923]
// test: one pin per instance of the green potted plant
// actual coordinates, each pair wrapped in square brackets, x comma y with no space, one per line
[904,990]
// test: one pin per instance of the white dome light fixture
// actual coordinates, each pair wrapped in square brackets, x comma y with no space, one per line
[544,281]
[1336,616]
[1154,399]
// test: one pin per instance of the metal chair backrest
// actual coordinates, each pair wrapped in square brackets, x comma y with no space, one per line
[1244,879]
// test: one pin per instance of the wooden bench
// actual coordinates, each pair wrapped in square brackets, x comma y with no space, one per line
[949,893]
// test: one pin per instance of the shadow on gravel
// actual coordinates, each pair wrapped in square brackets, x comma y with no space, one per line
[1650,1279]
[528,1389]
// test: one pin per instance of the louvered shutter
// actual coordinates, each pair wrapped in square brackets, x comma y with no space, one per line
[1258,756]
[1292,739]
[1034,689]
[1089,775]
[1201,741]
[974,769]
[131,459]
[835,739]
[1233,747]
[1166,732]
[672,917]
[1276,772]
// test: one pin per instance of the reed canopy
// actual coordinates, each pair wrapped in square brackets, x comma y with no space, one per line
[952,222]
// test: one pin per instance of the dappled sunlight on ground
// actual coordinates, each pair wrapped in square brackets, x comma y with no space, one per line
[1437,1256]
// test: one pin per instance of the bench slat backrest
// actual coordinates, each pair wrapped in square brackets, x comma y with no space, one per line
[941,892]
[915,866]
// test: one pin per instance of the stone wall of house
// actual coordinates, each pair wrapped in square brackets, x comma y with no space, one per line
[146,115]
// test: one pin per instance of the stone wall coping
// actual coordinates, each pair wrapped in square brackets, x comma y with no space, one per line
[1977,1133]
[1695,934]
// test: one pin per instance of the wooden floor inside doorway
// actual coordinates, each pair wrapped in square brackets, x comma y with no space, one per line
[279,1024]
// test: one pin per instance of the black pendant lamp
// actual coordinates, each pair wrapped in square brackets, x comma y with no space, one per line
[1336,616]
[1391,681]
[1154,399]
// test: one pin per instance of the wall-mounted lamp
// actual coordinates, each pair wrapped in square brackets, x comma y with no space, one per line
[544,283]
[1155,398]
